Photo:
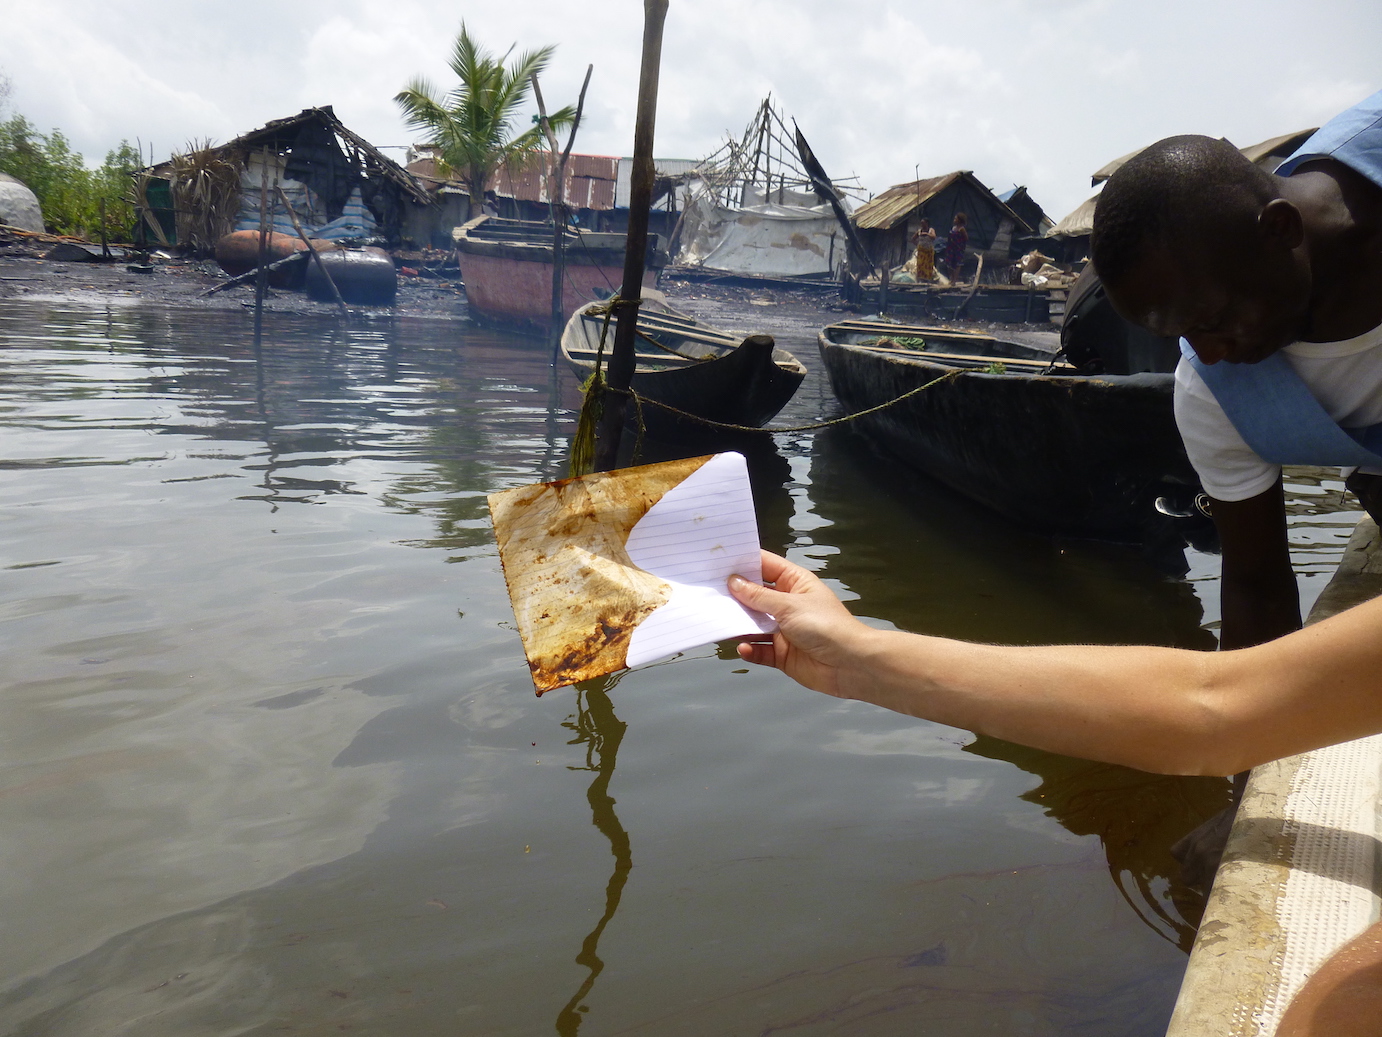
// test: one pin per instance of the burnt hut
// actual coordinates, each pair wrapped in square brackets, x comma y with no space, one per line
[339,185]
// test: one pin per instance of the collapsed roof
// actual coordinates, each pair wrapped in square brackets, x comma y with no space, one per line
[320,148]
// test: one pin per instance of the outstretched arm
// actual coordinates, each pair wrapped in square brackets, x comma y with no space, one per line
[1157,709]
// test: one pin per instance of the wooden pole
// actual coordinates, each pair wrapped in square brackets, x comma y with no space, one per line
[253,272]
[621,364]
[556,201]
[261,283]
[313,252]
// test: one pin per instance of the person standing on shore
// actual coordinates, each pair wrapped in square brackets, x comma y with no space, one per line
[954,255]
[925,242]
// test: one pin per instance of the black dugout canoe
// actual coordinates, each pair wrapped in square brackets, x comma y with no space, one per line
[691,366]
[1057,451]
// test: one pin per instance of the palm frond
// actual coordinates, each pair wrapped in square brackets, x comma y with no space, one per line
[473,124]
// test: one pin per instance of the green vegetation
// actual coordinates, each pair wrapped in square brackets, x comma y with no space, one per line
[473,124]
[997,367]
[69,193]
[897,342]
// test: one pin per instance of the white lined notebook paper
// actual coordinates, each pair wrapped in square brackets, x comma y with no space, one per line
[696,537]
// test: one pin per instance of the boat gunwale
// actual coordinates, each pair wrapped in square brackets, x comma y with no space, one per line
[918,358]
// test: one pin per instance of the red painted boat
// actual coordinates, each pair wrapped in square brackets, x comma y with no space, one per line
[507,269]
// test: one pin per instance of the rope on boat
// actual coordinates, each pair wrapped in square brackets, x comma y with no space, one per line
[595,387]
[809,427]
[593,406]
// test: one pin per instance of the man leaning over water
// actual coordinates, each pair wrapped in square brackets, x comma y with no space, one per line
[1273,283]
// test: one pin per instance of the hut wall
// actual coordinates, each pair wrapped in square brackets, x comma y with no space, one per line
[431,225]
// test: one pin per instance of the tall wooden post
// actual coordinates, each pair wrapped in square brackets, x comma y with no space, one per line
[261,281]
[621,364]
[556,205]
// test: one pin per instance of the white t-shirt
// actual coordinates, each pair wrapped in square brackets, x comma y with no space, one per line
[1346,377]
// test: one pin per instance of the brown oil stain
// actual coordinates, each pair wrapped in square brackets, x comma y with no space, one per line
[576,594]
[87,768]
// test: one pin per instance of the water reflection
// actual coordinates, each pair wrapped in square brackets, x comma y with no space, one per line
[1136,816]
[600,731]
[998,585]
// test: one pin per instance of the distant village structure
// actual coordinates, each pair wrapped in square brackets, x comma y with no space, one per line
[887,222]
[759,206]
[754,209]
[596,194]
[339,185]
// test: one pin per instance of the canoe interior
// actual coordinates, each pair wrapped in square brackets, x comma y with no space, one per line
[964,349]
[668,341]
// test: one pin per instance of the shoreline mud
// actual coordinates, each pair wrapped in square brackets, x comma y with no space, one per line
[434,292]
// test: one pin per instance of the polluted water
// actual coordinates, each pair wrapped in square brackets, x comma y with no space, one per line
[272,760]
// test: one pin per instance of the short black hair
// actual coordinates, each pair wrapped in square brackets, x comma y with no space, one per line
[1170,190]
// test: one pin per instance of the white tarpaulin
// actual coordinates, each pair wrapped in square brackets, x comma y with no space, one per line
[773,239]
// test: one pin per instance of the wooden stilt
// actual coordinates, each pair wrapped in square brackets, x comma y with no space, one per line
[622,362]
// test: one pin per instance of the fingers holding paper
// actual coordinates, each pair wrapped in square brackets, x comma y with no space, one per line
[816,634]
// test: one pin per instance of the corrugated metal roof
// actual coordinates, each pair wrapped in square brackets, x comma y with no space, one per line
[897,202]
[589,180]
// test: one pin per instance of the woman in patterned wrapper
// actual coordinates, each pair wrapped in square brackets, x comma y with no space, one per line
[925,242]
[954,255]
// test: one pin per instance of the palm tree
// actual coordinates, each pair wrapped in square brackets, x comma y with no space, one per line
[473,124]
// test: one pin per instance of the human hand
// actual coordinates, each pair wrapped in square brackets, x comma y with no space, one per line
[816,635]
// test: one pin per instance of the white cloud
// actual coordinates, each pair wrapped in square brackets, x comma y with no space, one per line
[1020,91]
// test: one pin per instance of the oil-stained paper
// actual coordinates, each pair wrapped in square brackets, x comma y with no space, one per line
[622,568]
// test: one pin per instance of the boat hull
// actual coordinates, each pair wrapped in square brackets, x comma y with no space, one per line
[238,253]
[510,290]
[740,383]
[1068,455]
[507,269]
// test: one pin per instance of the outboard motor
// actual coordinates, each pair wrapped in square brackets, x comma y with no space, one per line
[1098,341]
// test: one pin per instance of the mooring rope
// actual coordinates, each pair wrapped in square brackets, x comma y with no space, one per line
[809,427]
[595,387]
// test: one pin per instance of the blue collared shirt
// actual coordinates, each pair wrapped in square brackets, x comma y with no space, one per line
[1353,137]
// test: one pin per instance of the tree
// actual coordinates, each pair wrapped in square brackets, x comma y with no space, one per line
[473,124]
[69,193]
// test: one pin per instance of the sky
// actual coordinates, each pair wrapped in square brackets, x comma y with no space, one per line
[1021,92]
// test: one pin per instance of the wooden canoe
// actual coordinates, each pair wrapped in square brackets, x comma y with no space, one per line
[692,366]
[507,269]
[1091,456]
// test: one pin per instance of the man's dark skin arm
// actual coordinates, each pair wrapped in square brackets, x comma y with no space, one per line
[1259,599]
